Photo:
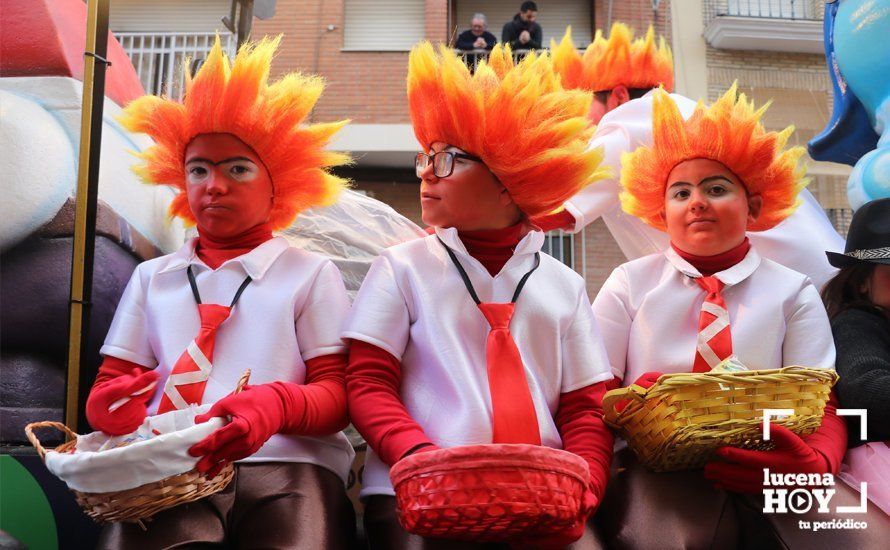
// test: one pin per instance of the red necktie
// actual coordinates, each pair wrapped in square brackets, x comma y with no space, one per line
[513,411]
[513,415]
[714,337]
[187,380]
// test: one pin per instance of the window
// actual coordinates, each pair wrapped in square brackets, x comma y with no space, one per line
[383,25]
[560,245]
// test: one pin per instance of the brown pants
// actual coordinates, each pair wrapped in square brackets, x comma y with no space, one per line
[267,505]
[643,510]
[384,532]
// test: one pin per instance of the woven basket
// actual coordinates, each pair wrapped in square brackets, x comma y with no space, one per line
[140,503]
[680,421]
[495,492]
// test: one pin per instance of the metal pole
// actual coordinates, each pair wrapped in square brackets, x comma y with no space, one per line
[95,64]
[245,21]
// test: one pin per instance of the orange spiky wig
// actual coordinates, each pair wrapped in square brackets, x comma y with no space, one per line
[236,98]
[728,132]
[620,60]
[530,132]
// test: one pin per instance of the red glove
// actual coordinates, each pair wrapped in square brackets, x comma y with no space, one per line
[373,382]
[742,470]
[259,412]
[118,380]
[560,220]
[646,380]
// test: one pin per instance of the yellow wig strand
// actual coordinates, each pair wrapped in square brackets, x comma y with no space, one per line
[531,133]
[236,98]
[620,60]
[729,132]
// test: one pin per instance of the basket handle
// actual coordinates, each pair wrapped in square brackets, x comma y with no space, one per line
[32,437]
[242,382]
[612,397]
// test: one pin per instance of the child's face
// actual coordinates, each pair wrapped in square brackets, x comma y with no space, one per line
[469,198]
[706,208]
[229,189]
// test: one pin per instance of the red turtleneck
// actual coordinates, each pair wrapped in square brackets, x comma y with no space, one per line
[708,265]
[373,384]
[492,247]
[214,251]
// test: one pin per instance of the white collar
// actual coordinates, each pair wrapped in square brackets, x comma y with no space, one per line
[255,263]
[529,244]
[734,275]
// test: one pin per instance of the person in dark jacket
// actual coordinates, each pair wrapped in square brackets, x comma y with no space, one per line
[477,37]
[858,304]
[523,33]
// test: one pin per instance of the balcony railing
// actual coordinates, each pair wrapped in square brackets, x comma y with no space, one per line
[769,25]
[804,10]
[159,57]
[473,57]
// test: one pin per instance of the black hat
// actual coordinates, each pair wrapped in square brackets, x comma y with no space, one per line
[869,237]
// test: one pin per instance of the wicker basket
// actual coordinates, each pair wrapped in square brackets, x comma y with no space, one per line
[140,503]
[680,421]
[495,492]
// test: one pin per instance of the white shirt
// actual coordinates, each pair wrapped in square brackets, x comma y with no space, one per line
[648,312]
[799,242]
[414,305]
[291,312]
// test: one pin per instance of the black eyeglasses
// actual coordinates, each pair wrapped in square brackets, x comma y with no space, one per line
[443,162]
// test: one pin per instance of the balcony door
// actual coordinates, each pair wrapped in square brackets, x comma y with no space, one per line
[553,15]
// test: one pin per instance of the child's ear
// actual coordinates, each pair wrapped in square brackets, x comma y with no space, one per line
[755,205]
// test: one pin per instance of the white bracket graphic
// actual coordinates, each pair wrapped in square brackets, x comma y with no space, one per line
[773,413]
[863,420]
[863,502]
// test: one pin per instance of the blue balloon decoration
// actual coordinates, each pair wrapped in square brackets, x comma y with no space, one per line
[858,59]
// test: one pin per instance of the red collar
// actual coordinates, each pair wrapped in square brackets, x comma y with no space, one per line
[214,252]
[708,265]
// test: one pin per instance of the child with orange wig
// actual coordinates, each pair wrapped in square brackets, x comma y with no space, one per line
[471,336]
[623,73]
[242,163]
[710,297]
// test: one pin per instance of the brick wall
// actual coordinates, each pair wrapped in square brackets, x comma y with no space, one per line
[367,87]
[636,13]
[800,89]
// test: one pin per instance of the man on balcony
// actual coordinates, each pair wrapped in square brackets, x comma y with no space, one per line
[477,37]
[523,33]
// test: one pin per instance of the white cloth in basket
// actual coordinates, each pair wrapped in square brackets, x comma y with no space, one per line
[156,450]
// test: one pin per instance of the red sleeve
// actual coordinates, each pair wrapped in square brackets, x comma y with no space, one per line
[317,407]
[373,379]
[579,420]
[112,367]
[830,439]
